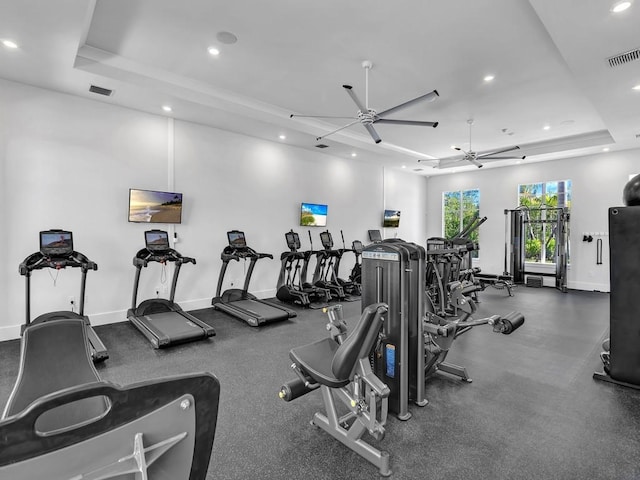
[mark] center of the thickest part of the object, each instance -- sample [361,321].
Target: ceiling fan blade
[474,161]
[337,130]
[499,151]
[427,96]
[502,158]
[372,132]
[355,98]
[407,122]
[293,115]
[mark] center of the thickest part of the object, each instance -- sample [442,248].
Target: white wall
[597,183]
[68,162]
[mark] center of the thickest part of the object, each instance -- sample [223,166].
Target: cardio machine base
[245,306]
[164,323]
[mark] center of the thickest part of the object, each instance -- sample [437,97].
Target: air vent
[625,57]
[637,135]
[418,169]
[100,91]
[322,145]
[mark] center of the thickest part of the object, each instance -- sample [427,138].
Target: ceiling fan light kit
[368,116]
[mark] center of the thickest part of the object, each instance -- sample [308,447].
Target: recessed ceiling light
[9,44]
[354,154]
[518,162]
[546,127]
[282,137]
[167,108]
[637,87]
[404,166]
[620,6]
[213,51]
[488,78]
[605,149]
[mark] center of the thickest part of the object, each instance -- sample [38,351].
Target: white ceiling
[548,58]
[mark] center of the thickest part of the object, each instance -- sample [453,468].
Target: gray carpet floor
[533,410]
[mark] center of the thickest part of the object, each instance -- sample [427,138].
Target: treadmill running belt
[174,325]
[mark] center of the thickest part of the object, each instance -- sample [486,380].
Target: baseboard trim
[589,287]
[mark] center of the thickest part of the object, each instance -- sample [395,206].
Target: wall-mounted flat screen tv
[150,206]
[313,215]
[391,219]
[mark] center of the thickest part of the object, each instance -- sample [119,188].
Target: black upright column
[624,253]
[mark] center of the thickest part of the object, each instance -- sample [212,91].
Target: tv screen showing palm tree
[313,215]
[151,206]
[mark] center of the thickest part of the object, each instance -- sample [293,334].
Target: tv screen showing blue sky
[313,215]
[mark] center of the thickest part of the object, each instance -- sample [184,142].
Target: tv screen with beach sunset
[150,206]
[313,215]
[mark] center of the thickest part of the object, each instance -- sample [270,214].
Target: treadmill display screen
[236,239]
[56,243]
[157,240]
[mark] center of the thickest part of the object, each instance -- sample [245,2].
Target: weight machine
[519,224]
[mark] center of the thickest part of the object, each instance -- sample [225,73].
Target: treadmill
[240,303]
[56,252]
[163,321]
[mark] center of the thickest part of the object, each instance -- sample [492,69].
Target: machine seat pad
[315,360]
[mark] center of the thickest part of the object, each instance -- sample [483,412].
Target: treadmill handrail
[144,256]
[38,261]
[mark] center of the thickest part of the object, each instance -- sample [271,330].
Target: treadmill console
[374,236]
[157,241]
[327,241]
[236,239]
[293,240]
[56,243]
[357,246]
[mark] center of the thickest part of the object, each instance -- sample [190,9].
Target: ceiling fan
[368,116]
[474,158]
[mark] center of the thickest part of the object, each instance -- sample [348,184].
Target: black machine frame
[59,259]
[162,321]
[516,221]
[292,281]
[239,302]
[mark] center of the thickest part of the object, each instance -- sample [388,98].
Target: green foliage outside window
[540,238]
[459,210]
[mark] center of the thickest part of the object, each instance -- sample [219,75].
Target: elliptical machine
[352,285]
[356,271]
[326,273]
[56,252]
[292,286]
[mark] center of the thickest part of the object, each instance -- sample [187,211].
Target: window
[543,201]
[459,209]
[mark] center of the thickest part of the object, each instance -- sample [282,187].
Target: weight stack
[393,273]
